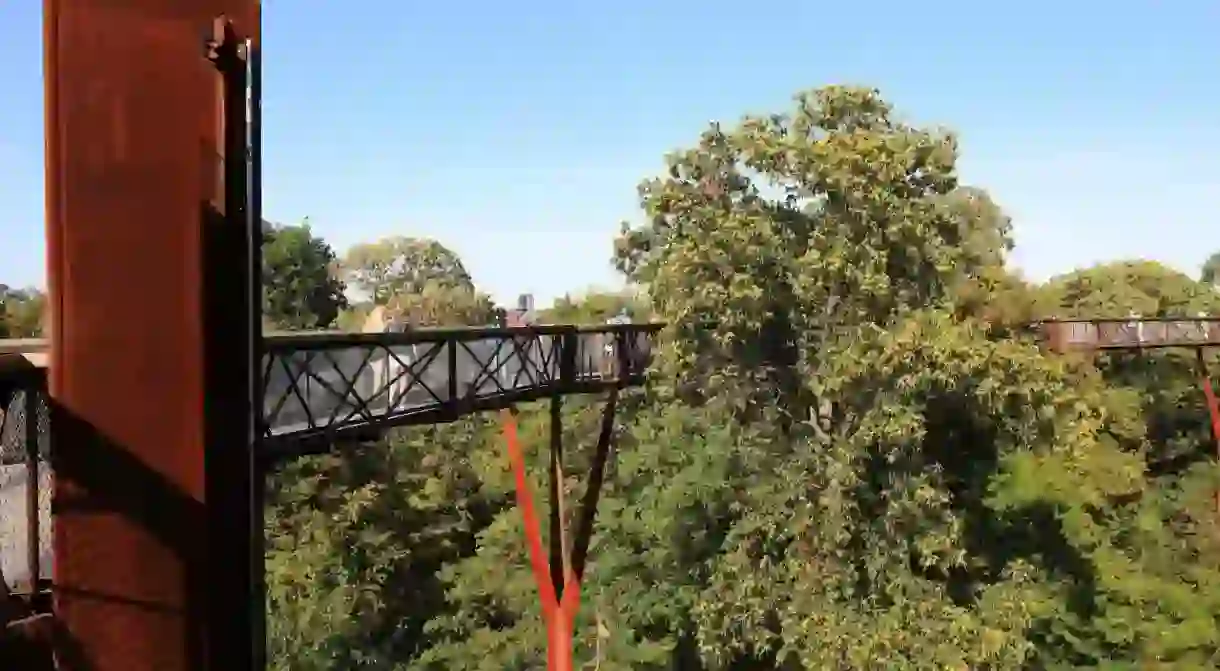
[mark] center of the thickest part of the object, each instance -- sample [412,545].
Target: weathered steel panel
[132,123]
[1133,333]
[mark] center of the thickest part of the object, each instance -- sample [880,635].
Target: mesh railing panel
[25,485]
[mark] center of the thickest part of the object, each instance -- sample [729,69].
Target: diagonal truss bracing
[323,386]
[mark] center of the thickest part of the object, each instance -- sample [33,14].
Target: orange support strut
[559,615]
[1213,408]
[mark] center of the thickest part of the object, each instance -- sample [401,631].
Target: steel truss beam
[323,388]
[1119,333]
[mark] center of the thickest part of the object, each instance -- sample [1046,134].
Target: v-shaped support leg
[559,582]
[1213,408]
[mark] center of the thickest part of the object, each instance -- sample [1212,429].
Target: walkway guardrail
[25,482]
[1131,333]
[323,386]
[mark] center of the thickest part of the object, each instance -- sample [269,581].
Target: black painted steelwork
[234,483]
[323,387]
[23,475]
[366,382]
[25,596]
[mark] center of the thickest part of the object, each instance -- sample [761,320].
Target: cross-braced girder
[323,387]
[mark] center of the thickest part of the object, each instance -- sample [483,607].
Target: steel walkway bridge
[322,388]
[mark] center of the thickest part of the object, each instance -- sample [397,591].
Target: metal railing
[25,481]
[321,386]
[1132,333]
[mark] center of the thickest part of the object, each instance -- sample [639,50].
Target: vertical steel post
[233,306]
[256,499]
[559,561]
[33,485]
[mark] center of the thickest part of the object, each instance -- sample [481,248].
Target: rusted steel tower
[149,357]
[160,431]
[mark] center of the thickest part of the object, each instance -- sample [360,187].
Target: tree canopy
[1210,272]
[301,288]
[22,313]
[851,453]
[403,266]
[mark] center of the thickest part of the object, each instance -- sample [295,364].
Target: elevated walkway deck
[323,387]
[1131,333]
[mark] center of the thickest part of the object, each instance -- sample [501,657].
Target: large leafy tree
[397,266]
[851,456]
[1210,272]
[301,287]
[418,281]
[859,232]
[358,538]
[713,527]
[895,463]
[22,313]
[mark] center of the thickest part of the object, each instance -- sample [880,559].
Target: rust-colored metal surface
[132,124]
[1131,333]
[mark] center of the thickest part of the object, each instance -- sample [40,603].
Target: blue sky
[516,133]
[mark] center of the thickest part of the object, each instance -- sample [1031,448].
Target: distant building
[523,314]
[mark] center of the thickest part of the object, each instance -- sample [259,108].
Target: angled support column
[150,300]
[1213,407]
[560,594]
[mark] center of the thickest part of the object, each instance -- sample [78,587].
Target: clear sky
[516,133]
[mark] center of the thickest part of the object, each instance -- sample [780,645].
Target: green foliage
[22,313]
[353,318]
[439,304]
[357,540]
[1165,382]
[1210,272]
[1122,288]
[400,266]
[300,289]
[596,307]
[851,455]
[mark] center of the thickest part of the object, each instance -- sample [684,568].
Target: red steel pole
[1213,408]
[558,614]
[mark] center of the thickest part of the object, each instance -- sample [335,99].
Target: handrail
[24,564]
[313,339]
[34,350]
